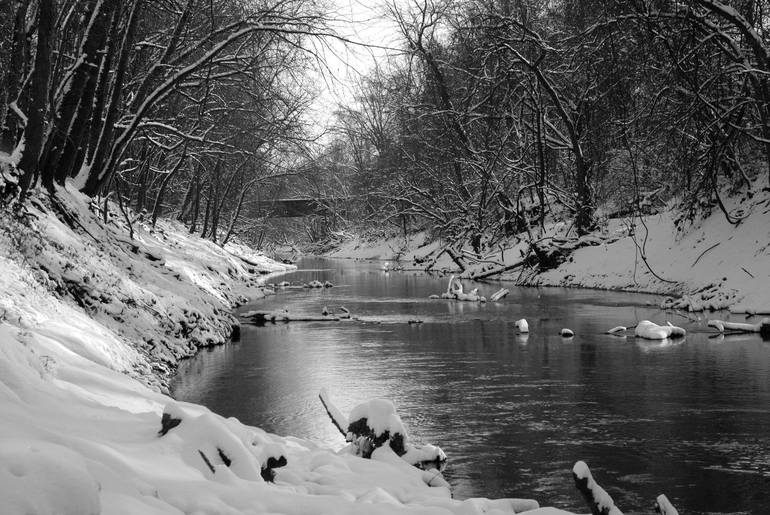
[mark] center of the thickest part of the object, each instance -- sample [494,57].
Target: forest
[490,117]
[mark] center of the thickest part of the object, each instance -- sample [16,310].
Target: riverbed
[513,412]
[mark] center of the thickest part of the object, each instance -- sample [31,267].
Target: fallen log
[262,317]
[497,271]
[762,327]
[499,294]
[457,259]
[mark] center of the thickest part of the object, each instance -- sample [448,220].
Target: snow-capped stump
[374,423]
[434,297]
[522,325]
[567,333]
[328,284]
[325,311]
[598,500]
[652,331]
[314,284]
[272,463]
[664,507]
[172,416]
[617,330]
[345,312]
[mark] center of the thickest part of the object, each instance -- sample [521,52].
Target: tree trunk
[237,212]
[196,204]
[40,76]
[70,115]
[13,77]
[93,183]
[208,210]
[162,190]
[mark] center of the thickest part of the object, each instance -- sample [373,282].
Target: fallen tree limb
[499,294]
[762,327]
[339,420]
[497,271]
[261,317]
[457,259]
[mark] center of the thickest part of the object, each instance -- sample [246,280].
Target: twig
[702,253]
[750,274]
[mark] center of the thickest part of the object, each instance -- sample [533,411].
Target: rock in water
[522,325]
[567,333]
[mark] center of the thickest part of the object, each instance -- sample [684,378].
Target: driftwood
[262,317]
[455,291]
[762,327]
[499,294]
[339,420]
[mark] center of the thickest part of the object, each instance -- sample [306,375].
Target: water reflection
[683,417]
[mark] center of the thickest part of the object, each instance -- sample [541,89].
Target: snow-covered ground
[87,319]
[706,264]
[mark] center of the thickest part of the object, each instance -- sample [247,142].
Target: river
[690,419]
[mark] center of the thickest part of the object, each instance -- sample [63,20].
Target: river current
[688,418]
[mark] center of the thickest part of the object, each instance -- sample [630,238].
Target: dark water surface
[689,419]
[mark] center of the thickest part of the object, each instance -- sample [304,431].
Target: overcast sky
[361,21]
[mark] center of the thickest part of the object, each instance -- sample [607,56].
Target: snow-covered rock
[652,331]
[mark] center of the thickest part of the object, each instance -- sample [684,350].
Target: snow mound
[652,331]
[43,478]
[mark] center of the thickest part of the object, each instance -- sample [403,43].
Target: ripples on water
[512,412]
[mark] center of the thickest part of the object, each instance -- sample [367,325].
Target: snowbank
[158,297]
[80,435]
[706,264]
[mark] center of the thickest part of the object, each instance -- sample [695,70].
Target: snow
[44,478]
[89,320]
[707,263]
[601,498]
[652,331]
[381,416]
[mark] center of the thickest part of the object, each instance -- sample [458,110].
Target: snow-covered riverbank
[706,264]
[90,323]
